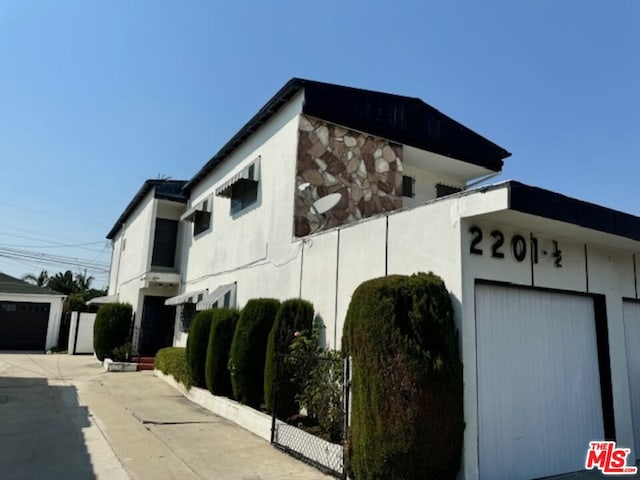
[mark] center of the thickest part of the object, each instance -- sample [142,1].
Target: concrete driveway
[63,417]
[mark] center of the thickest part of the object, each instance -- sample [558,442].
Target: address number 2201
[518,246]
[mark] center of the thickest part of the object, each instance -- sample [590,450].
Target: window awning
[188,215]
[250,173]
[187,297]
[209,300]
[103,300]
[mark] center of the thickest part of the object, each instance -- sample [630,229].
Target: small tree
[111,328]
[223,327]
[197,343]
[294,316]
[248,350]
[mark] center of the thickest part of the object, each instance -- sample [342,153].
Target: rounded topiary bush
[223,326]
[248,349]
[111,328]
[197,344]
[294,315]
[407,413]
[173,361]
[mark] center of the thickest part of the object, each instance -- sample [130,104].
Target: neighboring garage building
[29,315]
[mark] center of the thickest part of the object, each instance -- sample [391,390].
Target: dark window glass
[244,194]
[164,243]
[187,314]
[201,222]
[407,186]
[227,300]
[444,190]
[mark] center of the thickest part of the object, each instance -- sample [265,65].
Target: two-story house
[145,261]
[328,186]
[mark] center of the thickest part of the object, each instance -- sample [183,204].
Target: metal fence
[311,409]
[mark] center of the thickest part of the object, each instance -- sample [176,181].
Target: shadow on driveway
[41,431]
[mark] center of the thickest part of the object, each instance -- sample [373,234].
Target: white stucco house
[328,186]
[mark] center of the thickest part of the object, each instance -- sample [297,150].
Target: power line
[49,259]
[81,245]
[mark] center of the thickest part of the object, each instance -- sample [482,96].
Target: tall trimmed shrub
[197,344]
[111,328]
[294,315]
[407,414]
[223,326]
[248,349]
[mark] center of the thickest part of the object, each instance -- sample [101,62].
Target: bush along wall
[197,344]
[111,329]
[223,326]
[407,413]
[294,316]
[248,350]
[173,361]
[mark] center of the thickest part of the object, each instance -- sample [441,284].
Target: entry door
[539,400]
[156,328]
[631,312]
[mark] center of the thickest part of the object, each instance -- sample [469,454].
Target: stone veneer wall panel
[366,172]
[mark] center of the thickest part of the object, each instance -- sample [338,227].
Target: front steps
[144,363]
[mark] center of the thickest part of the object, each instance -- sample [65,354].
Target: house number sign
[517,245]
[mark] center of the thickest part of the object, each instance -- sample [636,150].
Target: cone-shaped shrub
[197,344]
[111,328]
[248,350]
[407,416]
[294,315]
[216,369]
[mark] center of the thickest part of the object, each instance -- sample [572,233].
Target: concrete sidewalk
[127,425]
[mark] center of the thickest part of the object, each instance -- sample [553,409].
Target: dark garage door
[23,325]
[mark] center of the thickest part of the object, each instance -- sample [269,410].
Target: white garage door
[539,400]
[631,311]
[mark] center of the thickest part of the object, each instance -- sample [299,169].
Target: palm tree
[83,282]
[42,280]
[63,283]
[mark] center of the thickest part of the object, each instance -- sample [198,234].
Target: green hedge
[217,375]
[197,344]
[173,361]
[111,328]
[294,315]
[407,414]
[248,349]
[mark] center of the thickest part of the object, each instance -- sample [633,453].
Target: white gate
[539,398]
[631,312]
[81,333]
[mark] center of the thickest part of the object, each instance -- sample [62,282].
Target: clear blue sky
[97,96]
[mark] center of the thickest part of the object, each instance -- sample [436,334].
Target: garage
[23,325]
[631,312]
[29,315]
[539,392]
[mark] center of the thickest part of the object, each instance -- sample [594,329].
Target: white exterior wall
[55,312]
[254,247]
[602,271]
[425,184]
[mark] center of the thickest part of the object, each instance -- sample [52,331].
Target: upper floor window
[200,215]
[408,186]
[164,243]
[242,188]
[444,190]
